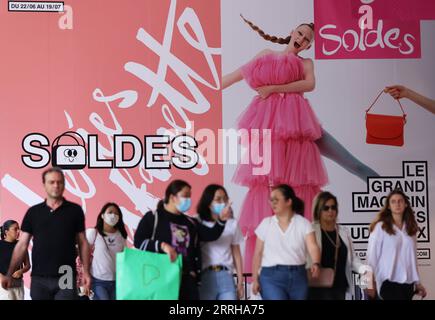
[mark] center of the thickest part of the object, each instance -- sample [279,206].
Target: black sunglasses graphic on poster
[68,151]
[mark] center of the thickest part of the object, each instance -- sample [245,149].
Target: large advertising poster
[360,48]
[126,96]
[113,92]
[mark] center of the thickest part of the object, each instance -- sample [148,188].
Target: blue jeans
[283,283]
[103,290]
[217,285]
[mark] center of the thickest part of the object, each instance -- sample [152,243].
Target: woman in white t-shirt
[107,239]
[392,250]
[222,256]
[282,243]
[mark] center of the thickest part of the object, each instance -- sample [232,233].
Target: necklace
[330,240]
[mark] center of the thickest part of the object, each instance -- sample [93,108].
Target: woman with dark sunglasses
[336,250]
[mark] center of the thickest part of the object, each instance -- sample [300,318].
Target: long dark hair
[274,39]
[319,202]
[120,226]
[206,199]
[171,190]
[386,216]
[5,227]
[289,193]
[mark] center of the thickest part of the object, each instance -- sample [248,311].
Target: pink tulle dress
[295,158]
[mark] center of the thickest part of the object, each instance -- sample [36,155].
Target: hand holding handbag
[326,275]
[385,129]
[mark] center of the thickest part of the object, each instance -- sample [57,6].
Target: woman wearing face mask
[176,233]
[220,257]
[107,239]
[9,238]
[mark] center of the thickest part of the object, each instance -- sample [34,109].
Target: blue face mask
[184,204]
[217,208]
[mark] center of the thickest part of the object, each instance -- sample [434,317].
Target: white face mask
[111,219]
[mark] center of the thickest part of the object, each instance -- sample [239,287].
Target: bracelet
[316,264]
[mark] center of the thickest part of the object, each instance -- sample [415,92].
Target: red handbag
[385,129]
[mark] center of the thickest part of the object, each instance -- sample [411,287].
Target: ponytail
[288,193]
[298,205]
[274,39]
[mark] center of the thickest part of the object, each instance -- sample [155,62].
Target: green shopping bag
[143,275]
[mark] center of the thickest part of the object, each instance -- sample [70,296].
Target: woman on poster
[281,79]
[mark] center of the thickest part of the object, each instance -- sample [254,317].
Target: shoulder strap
[337,246]
[377,98]
[107,247]
[104,240]
[191,220]
[156,219]
[95,239]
